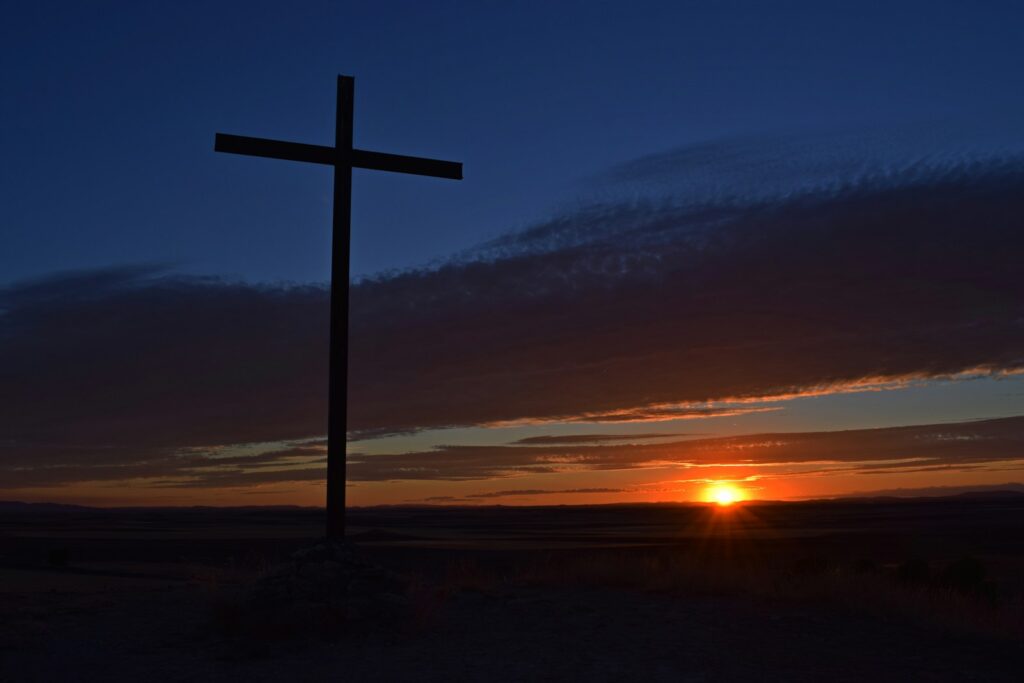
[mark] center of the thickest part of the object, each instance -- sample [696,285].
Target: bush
[58,557]
[914,570]
[865,566]
[968,576]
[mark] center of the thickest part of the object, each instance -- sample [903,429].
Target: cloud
[188,469]
[962,445]
[566,439]
[514,493]
[539,492]
[618,311]
[654,413]
[629,311]
[130,370]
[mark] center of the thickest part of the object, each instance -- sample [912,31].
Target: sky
[775,244]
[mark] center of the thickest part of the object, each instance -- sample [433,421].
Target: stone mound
[329,589]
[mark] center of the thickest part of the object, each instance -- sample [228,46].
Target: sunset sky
[774,244]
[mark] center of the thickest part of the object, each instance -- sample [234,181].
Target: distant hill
[1005,491]
[998,494]
[896,496]
[18,506]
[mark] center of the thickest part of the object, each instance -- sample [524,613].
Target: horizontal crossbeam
[319,154]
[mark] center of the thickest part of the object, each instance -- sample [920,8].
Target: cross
[343,157]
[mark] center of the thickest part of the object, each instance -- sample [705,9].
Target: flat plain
[882,589]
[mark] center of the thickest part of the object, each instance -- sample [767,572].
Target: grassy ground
[915,593]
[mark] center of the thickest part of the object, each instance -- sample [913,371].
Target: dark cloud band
[660,311]
[916,277]
[964,445]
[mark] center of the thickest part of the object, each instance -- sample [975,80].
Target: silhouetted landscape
[537,341]
[882,589]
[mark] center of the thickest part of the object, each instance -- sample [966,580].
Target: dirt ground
[89,628]
[134,596]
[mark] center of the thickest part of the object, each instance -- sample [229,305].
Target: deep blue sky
[109,111]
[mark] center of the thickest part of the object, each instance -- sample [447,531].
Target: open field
[888,590]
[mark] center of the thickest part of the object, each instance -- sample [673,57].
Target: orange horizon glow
[719,486]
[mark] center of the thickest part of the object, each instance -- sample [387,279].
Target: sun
[724,494]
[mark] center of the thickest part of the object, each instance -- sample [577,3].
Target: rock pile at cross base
[328,589]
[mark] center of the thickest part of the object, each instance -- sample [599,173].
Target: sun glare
[724,494]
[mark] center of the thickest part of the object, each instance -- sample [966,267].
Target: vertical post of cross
[341,239]
[343,157]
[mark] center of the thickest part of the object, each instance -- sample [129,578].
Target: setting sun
[724,494]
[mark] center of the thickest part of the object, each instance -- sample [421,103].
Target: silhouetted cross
[343,157]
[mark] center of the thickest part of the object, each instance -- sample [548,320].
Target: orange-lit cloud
[895,450]
[653,413]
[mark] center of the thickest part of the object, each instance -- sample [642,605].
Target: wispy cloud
[566,439]
[918,448]
[653,413]
[516,493]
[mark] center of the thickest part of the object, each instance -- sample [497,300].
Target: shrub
[914,570]
[58,557]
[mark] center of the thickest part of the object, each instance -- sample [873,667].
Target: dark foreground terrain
[868,590]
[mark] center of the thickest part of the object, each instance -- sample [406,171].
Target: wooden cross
[343,157]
